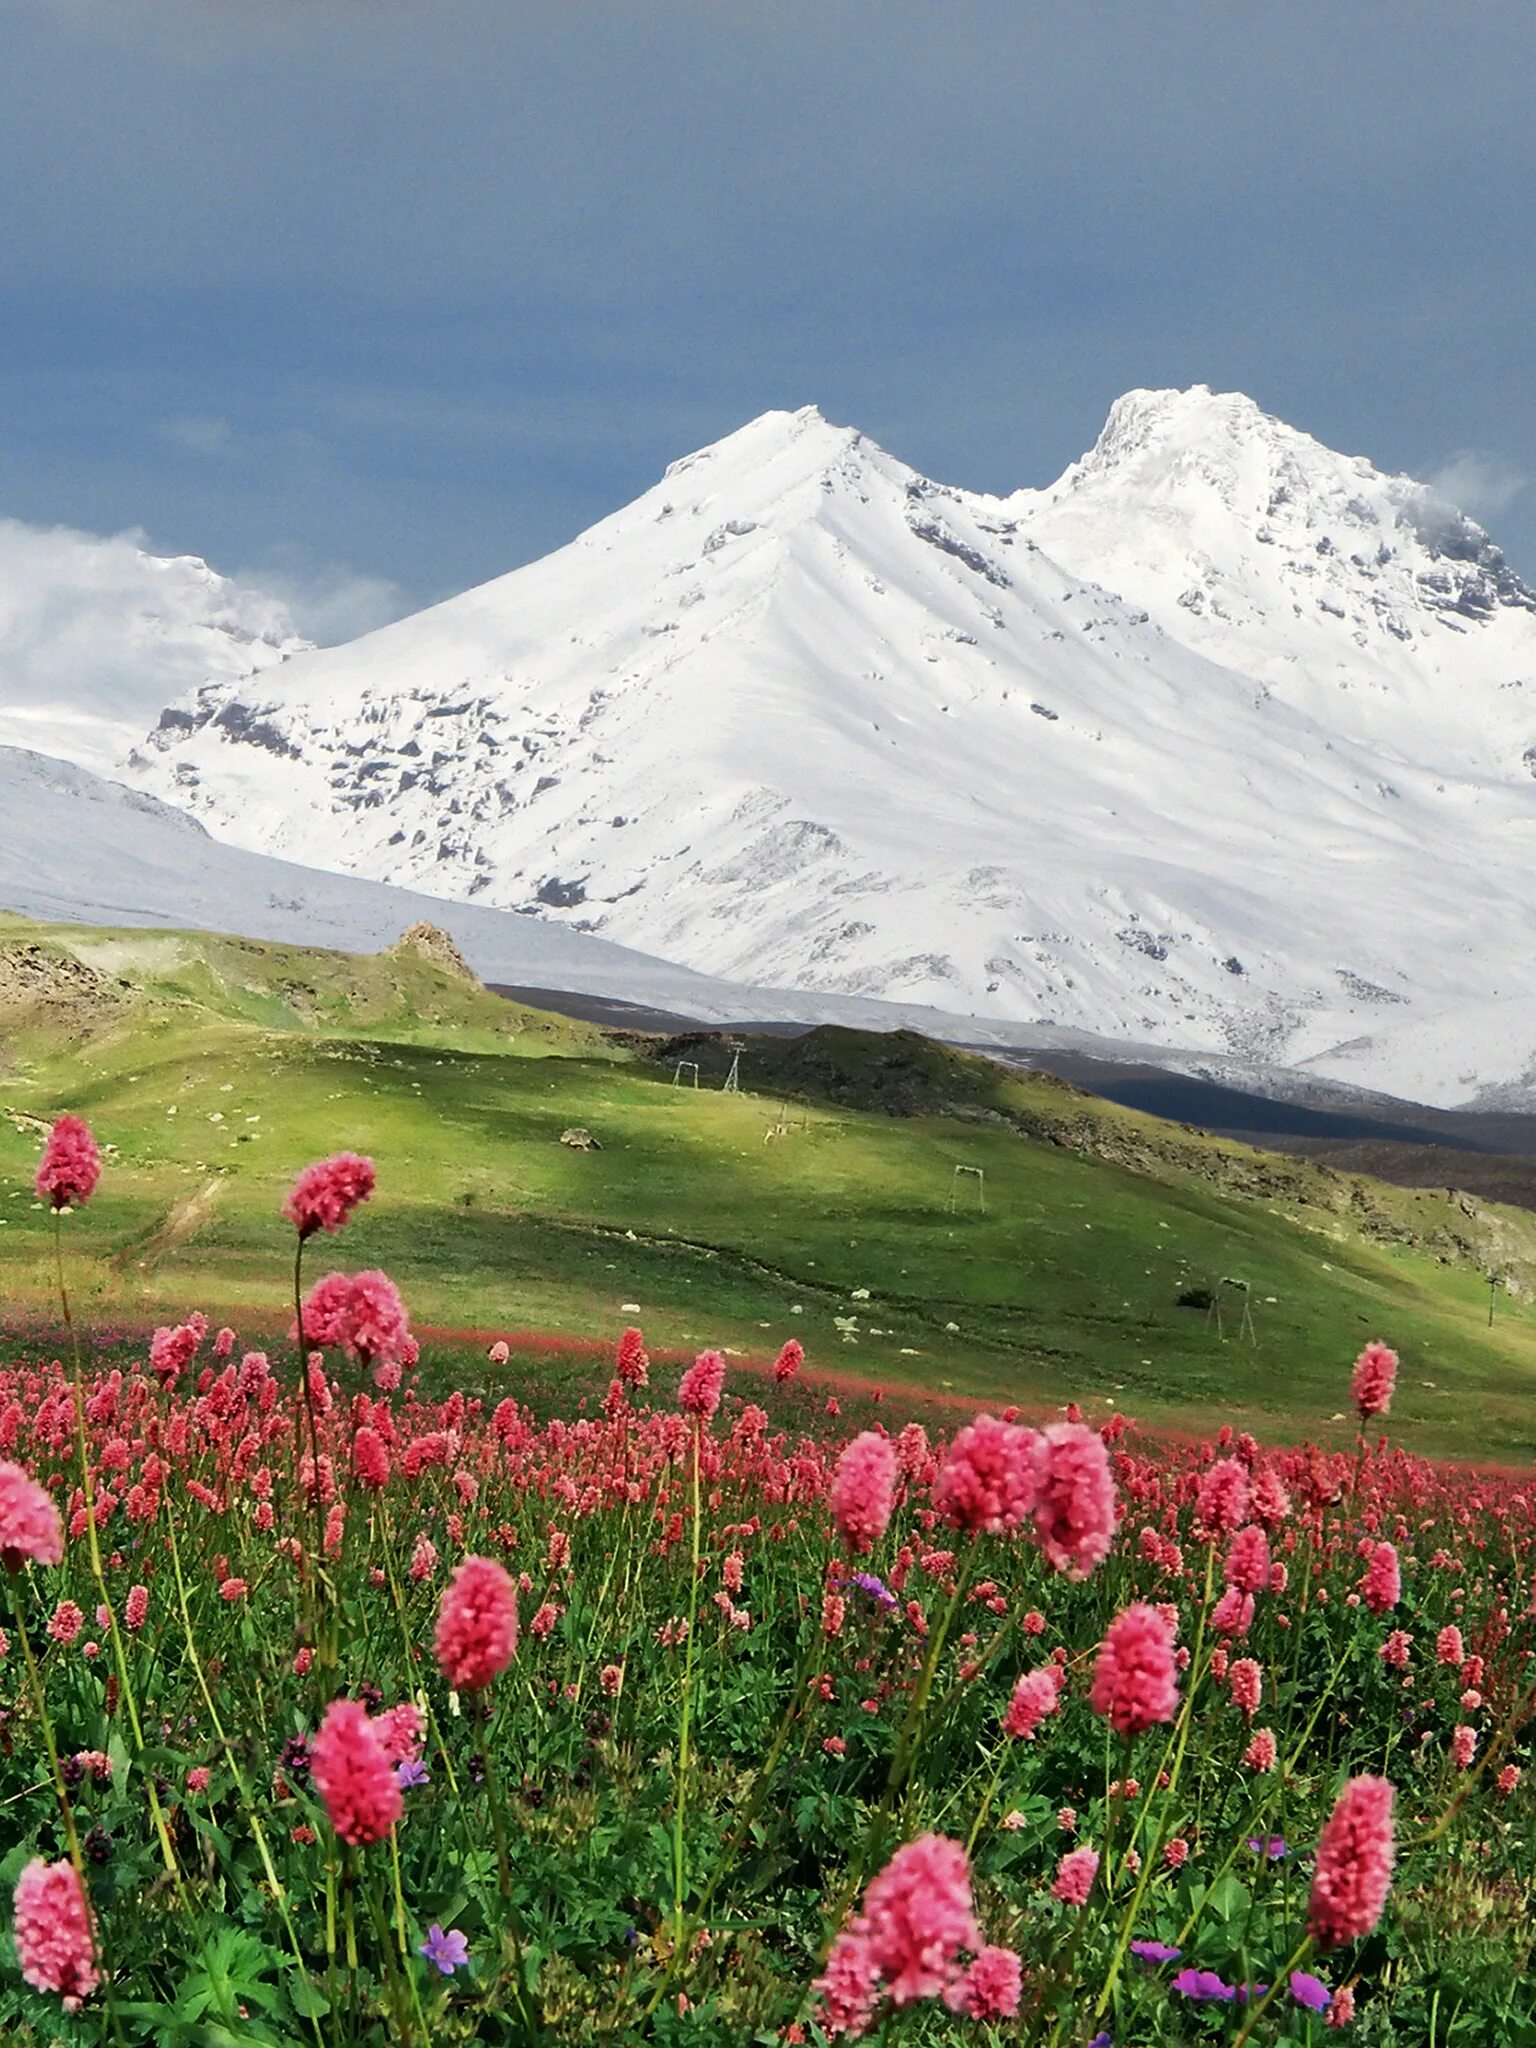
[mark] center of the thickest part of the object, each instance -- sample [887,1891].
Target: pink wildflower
[136,1608]
[325,1311]
[1354,1864]
[990,1988]
[1036,1696]
[630,1362]
[1464,1745]
[700,1388]
[1233,1613]
[476,1625]
[376,1328]
[1381,1585]
[1074,1506]
[325,1194]
[918,1916]
[987,1480]
[1247,1565]
[864,1490]
[1245,1682]
[789,1360]
[370,1459]
[1262,1750]
[353,1775]
[53,1932]
[66,1622]
[30,1527]
[1133,1681]
[1341,2007]
[1375,1376]
[1075,1874]
[398,1732]
[1221,1504]
[848,1989]
[70,1166]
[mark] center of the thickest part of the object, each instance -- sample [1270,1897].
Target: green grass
[218,1067]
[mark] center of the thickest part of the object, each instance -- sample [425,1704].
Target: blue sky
[382,297]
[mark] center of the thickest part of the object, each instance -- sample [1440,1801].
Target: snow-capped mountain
[1224,741]
[96,633]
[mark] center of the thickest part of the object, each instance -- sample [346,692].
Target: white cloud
[328,605]
[1483,485]
[97,636]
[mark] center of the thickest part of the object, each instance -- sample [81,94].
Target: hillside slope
[213,1074]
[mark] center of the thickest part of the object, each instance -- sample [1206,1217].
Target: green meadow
[820,1202]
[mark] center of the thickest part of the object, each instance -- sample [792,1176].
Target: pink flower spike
[848,1989]
[1375,1377]
[1074,1498]
[702,1384]
[30,1527]
[53,1932]
[353,1775]
[918,1916]
[1354,1864]
[325,1194]
[70,1166]
[1036,1696]
[986,1483]
[864,1490]
[991,1987]
[1134,1683]
[1075,1874]
[476,1625]
[631,1361]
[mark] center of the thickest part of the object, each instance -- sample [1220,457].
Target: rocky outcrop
[432,943]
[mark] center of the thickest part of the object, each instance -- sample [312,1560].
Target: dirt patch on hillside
[45,984]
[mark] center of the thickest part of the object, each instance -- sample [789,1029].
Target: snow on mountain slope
[1223,742]
[80,849]
[95,634]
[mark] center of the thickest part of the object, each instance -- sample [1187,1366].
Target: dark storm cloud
[420,289]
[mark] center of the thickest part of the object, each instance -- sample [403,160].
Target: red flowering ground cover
[339,1710]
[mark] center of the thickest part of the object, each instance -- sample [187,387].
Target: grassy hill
[821,1201]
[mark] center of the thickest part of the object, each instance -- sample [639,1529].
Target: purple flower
[449,1951]
[1204,1984]
[1155,1951]
[1274,1848]
[412,1772]
[877,1589]
[1247,1991]
[1311,1992]
[1101,2041]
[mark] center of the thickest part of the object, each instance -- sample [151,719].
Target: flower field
[336,1712]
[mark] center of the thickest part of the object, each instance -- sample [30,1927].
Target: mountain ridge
[1205,745]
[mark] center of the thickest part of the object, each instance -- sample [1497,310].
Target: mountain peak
[805,437]
[1219,442]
